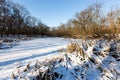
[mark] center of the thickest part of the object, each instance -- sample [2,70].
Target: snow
[47,58]
[32,48]
[40,48]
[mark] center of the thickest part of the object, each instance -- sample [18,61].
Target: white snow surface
[31,50]
[46,59]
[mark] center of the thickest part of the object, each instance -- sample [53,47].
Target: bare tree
[2,10]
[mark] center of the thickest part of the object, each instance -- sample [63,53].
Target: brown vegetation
[89,23]
[92,23]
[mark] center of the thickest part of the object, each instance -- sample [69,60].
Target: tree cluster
[16,20]
[92,22]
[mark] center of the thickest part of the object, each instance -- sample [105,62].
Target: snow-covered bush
[84,60]
[7,40]
[71,48]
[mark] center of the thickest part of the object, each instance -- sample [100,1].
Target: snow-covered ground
[49,59]
[31,50]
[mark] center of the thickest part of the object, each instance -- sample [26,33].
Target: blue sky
[54,12]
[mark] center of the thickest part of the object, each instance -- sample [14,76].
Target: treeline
[16,20]
[91,22]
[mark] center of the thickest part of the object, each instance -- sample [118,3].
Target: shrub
[71,48]
[7,40]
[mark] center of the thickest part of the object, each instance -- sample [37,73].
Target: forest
[92,22]
[15,19]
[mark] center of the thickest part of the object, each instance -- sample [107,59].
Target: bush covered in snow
[10,42]
[84,60]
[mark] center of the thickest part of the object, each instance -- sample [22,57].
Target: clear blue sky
[54,12]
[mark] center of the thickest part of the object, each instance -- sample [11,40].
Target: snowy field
[57,59]
[26,51]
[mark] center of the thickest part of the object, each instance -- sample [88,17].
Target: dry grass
[27,67]
[71,48]
[7,40]
[12,76]
[75,47]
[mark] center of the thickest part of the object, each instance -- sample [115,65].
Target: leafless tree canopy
[16,20]
[92,22]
